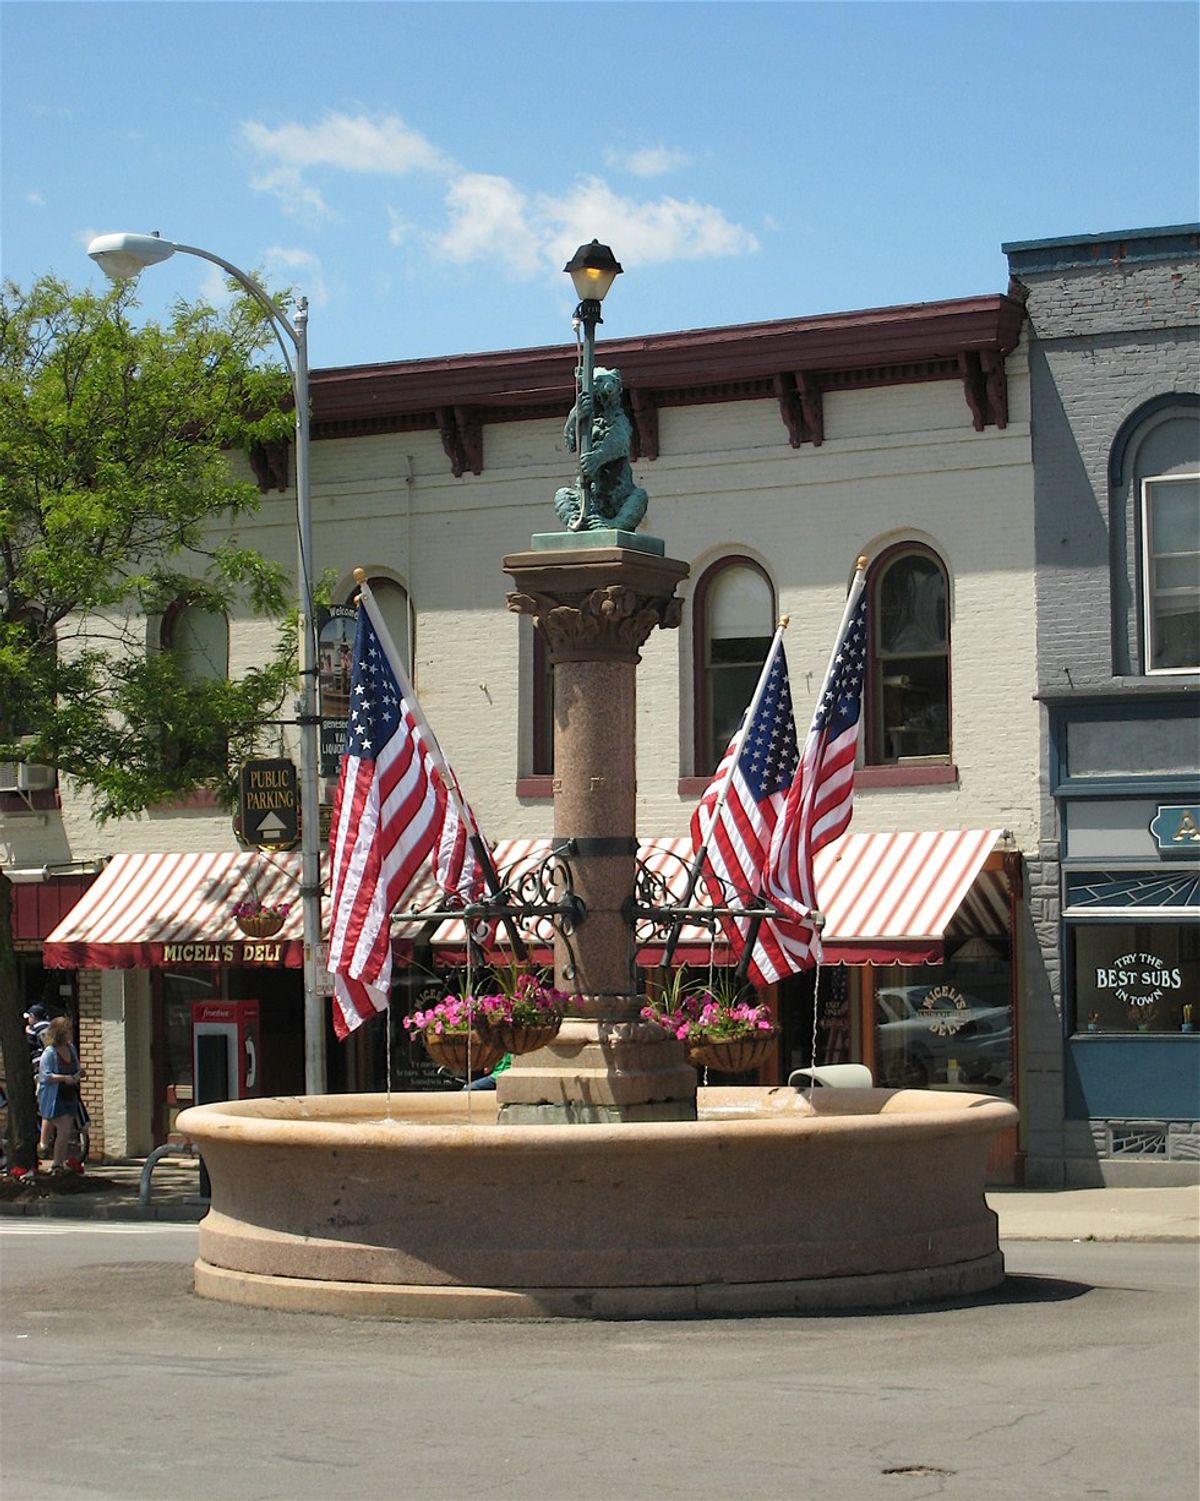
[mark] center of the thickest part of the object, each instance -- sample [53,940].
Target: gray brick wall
[1114,324]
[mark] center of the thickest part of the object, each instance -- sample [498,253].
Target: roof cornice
[793,361]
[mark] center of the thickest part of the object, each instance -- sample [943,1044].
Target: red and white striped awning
[887,898]
[146,910]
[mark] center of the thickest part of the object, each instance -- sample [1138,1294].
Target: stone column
[595,604]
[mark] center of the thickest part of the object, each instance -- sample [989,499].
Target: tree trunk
[20,1139]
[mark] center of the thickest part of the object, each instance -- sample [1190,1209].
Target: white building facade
[774,455]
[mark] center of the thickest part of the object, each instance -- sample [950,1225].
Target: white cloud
[654,230]
[370,145]
[648,161]
[35,200]
[490,217]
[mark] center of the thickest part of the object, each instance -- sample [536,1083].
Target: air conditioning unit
[31,775]
[34,778]
[8,776]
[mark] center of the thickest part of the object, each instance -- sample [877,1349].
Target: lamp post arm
[279,321]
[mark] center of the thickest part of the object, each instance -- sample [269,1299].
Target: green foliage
[117,498]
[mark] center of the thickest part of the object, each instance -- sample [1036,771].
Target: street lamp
[593,269]
[124,255]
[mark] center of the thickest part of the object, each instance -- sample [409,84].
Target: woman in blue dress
[59,1073]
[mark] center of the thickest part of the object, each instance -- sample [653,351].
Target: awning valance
[146,910]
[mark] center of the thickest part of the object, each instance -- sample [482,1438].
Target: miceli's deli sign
[272,952]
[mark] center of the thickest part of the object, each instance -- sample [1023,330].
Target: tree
[118,501]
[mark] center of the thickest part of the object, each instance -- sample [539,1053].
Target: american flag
[820,799]
[735,819]
[397,805]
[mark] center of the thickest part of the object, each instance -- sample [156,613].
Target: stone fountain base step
[714,1299]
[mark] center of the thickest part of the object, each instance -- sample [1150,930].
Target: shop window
[198,641]
[1170,524]
[733,625]
[947,1026]
[908,710]
[1133,977]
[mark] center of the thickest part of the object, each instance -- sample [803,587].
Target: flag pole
[853,595]
[467,817]
[739,742]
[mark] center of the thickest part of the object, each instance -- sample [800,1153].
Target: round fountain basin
[426,1206]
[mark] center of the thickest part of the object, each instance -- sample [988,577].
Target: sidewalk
[111,1192]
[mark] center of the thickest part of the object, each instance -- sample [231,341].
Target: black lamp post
[593,269]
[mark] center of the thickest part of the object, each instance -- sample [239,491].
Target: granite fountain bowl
[425,1206]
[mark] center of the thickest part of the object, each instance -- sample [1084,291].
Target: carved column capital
[609,624]
[598,605]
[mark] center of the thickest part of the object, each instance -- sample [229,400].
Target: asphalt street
[1077,1379]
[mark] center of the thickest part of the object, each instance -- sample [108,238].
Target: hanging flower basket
[260,924]
[525,1037]
[732,1055]
[449,1050]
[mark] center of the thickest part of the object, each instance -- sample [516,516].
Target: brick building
[1112,1062]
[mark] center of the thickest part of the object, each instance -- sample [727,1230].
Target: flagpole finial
[784,622]
[360,575]
[861,562]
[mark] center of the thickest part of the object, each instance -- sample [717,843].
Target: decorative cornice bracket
[985,386]
[461,431]
[801,406]
[269,461]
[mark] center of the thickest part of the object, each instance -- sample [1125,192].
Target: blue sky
[422,171]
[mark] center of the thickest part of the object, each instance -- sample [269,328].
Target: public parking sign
[269,804]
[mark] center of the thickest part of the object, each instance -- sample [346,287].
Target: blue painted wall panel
[1134,1078]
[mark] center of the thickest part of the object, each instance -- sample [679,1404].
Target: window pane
[739,605]
[739,623]
[910,702]
[200,644]
[912,606]
[1136,977]
[1176,515]
[392,599]
[731,689]
[914,718]
[1172,544]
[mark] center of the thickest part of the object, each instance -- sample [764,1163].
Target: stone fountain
[598,1181]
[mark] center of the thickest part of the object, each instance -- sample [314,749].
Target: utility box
[225,1051]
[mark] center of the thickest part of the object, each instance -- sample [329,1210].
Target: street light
[593,269]
[124,255]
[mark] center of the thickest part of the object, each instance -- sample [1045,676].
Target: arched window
[1154,478]
[733,623]
[198,641]
[908,712]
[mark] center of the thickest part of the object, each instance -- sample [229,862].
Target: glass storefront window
[1135,977]
[947,1026]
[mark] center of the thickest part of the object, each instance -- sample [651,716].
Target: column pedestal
[595,604]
